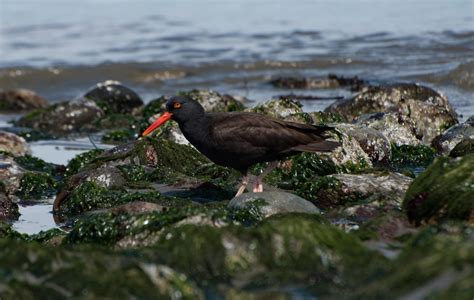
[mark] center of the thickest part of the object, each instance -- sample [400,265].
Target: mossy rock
[154,107]
[119,136]
[80,161]
[409,156]
[280,108]
[438,263]
[212,101]
[35,164]
[32,271]
[443,191]
[462,148]
[7,232]
[90,196]
[282,250]
[34,186]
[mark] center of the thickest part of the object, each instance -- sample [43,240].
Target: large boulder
[20,100]
[64,118]
[428,111]
[113,97]
[444,191]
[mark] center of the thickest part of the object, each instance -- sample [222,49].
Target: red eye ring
[176,105]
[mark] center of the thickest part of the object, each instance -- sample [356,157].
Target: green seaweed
[118,136]
[32,163]
[80,161]
[36,186]
[412,156]
[443,191]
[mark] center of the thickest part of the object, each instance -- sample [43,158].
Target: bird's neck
[195,128]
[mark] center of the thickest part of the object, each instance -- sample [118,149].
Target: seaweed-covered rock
[35,186]
[340,189]
[438,263]
[429,111]
[409,156]
[391,126]
[80,161]
[462,148]
[271,203]
[64,118]
[446,142]
[212,101]
[280,108]
[20,100]
[13,144]
[31,270]
[113,97]
[282,250]
[443,191]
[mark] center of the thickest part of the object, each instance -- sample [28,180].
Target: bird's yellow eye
[176,105]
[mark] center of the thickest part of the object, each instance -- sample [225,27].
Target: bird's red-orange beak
[160,121]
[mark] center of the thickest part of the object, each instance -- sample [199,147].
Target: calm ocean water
[60,48]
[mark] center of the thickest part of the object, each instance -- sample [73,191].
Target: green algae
[411,156]
[31,271]
[32,163]
[80,161]
[324,118]
[118,136]
[36,186]
[154,107]
[443,191]
[442,254]
[90,196]
[462,148]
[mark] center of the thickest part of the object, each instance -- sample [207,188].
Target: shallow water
[61,48]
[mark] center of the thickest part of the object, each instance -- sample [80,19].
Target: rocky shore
[389,214]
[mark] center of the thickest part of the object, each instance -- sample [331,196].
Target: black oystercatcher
[242,139]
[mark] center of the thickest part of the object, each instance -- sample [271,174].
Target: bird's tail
[320,146]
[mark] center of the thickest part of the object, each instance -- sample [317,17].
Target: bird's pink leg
[243,185]
[258,183]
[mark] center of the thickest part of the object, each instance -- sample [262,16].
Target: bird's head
[178,108]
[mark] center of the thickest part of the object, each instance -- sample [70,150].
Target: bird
[240,140]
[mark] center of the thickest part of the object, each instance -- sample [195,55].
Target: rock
[462,148]
[271,203]
[64,118]
[8,209]
[36,186]
[212,101]
[331,82]
[351,155]
[343,189]
[409,157]
[20,100]
[441,256]
[113,97]
[372,142]
[33,270]
[10,175]
[280,108]
[13,144]
[444,191]
[391,126]
[446,142]
[426,110]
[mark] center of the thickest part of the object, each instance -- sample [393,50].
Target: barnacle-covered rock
[446,142]
[113,97]
[20,100]
[212,101]
[13,144]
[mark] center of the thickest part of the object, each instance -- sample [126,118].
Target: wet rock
[36,186]
[80,161]
[429,111]
[29,134]
[212,101]
[64,118]
[391,126]
[271,203]
[372,142]
[33,270]
[241,255]
[342,189]
[13,144]
[137,207]
[322,118]
[446,142]
[462,148]
[8,208]
[20,100]
[280,108]
[10,175]
[443,191]
[113,97]
[408,156]
[351,155]
[331,82]
[443,259]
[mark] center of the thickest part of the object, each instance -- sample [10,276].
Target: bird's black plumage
[242,139]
